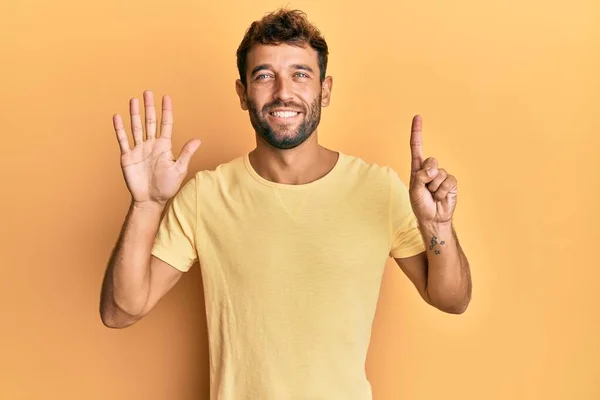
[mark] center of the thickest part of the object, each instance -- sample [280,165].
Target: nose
[283,89]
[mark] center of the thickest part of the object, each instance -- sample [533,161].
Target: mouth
[284,115]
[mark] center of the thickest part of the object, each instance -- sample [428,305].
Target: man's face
[283,93]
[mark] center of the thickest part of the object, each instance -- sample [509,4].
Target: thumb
[187,152]
[422,177]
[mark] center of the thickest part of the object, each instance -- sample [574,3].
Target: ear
[326,87]
[241,92]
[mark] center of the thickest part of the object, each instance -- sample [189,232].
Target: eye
[262,76]
[301,75]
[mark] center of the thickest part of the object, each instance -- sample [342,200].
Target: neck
[300,165]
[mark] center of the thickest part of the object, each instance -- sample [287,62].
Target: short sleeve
[406,239]
[175,241]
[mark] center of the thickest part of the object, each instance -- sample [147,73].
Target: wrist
[436,228]
[147,206]
[436,236]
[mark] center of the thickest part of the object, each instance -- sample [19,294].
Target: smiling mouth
[284,114]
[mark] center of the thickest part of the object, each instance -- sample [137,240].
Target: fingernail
[430,171]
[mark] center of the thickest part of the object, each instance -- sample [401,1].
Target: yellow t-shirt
[291,273]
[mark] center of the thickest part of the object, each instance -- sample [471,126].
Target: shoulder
[370,172]
[224,172]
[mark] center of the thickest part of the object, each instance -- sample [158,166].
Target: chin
[284,141]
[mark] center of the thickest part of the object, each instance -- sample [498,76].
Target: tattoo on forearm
[434,243]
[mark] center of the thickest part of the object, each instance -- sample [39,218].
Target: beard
[284,136]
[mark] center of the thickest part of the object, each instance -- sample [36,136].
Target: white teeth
[285,114]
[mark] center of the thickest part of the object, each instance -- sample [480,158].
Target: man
[292,238]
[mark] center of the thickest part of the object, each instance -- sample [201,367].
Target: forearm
[448,276]
[126,285]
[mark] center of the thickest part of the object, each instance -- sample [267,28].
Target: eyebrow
[303,67]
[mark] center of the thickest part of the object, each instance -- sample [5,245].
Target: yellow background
[509,93]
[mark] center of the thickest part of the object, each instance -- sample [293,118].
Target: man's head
[282,62]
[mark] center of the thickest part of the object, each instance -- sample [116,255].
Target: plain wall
[509,93]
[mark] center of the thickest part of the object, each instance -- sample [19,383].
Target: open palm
[150,170]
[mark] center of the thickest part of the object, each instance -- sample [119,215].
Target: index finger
[416,151]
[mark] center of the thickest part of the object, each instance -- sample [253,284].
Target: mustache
[281,104]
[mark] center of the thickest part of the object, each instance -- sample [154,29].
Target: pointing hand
[433,192]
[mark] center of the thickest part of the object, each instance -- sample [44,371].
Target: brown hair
[282,26]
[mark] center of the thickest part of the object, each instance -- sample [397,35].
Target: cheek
[309,90]
[254,101]
[308,96]
[262,95]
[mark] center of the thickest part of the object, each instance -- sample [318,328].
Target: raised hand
[151,173]
[433,192]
